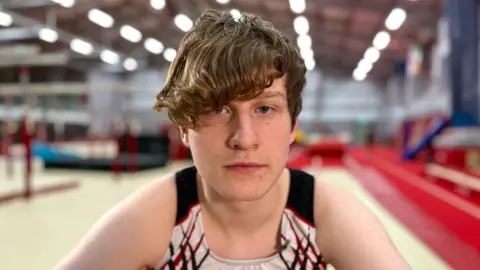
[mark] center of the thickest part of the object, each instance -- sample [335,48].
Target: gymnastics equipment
[436,127]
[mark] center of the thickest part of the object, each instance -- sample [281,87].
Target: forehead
[277,89]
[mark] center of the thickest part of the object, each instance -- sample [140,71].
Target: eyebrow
[272,94]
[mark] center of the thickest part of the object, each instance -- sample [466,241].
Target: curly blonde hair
[222,59]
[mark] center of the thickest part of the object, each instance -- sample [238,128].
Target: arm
[134,234]
[349,235]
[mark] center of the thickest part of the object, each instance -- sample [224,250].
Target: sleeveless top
[188,249]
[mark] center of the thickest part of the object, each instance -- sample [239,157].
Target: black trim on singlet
[187,195]
[301,194]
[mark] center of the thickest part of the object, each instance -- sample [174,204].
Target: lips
[245,166]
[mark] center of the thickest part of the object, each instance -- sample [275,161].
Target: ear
[294,132]
[184,136]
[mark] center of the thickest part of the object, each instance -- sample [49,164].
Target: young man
[234,91]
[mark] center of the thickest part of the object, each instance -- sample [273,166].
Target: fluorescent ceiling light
[157,4]
[297,6]
[5,19]
[306,53]
[359,75]
[364,66]
[183,22]
[130,64]
[310,64]
[301,25]
[395,19]
[48,35]
[169,54]
[100,18]
[131,34]
[154,46]
[381,40]
[372,55]
[65,3]
[81,46]
[304,41]
[109,57]
[236,14]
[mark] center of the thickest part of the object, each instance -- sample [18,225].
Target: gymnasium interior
[390,113]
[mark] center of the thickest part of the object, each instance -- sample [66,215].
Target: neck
[245,216]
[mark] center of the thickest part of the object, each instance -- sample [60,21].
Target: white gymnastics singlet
[188,249]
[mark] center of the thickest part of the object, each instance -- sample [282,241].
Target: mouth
[245,166]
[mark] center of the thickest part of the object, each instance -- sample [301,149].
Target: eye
[264,109]
[220,110]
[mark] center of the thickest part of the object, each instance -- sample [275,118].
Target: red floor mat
[472,196]
[450,248]
[299,159]
[458,216]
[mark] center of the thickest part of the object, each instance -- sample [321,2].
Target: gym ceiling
[359,38]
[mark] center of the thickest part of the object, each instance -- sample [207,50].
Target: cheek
[277,127]
[277,137]
[205,145]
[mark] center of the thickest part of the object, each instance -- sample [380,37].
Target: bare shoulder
[349,234]
[133,234]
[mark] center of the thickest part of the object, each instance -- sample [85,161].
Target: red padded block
[450,157]
[329,148]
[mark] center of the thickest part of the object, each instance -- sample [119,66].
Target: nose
[243,133]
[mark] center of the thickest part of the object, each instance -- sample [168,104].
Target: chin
[247,190]
[244,196]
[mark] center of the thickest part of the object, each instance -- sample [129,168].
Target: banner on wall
[413,87]
[415,61]
[463,30]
